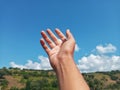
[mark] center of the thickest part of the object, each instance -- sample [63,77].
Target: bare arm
[61,58]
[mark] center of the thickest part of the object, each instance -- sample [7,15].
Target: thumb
[69,34]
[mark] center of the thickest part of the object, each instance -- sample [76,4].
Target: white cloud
[44,62]
[100,61]
[90,63]
[93,63]
[43,65]
[109,48]
[77,48]
[14,65]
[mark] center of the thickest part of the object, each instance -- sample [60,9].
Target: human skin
[60,52]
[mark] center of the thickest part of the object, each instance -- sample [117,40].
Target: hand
[59,48]
[60,52]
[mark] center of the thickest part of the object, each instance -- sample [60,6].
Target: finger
[60,34]
[46,48]
[69,34]
[47,39]
[52,35]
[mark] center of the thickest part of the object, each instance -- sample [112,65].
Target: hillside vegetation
[16,79]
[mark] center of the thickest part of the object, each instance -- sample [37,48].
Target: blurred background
[95,25]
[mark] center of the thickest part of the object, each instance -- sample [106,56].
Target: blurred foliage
[47,80]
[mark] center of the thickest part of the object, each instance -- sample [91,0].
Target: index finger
[46,48]
[60,34]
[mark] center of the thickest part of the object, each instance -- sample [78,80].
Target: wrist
[65,64]
[65,57]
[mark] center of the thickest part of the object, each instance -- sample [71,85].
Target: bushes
[113,77]
[42,84]
[14,88]
[3,83]
[46,80]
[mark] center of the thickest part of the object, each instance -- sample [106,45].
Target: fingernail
[56,29]
[48,28]
[68,30]
[42,32]
[42,41]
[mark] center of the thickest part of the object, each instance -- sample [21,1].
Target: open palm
[58,47]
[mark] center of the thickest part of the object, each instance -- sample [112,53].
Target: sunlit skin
[60,52]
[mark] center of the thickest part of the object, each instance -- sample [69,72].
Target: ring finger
[48,40]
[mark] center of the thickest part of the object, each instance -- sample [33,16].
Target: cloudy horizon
[99,61]
[95,25]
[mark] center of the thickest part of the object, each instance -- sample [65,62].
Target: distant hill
[16,79]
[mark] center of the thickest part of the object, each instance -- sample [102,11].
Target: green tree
[28,83]
[14,88]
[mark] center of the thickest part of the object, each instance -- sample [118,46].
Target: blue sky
[92,22]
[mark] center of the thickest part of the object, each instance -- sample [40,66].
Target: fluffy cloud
[14,65]
[100,62]
[109,48]
[91,63]
[42,65]
[44,62]
[77,48]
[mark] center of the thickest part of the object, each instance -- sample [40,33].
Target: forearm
[69,76]
[60,54]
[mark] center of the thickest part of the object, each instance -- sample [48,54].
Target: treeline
[47,80]
[103,80]
[31,79]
